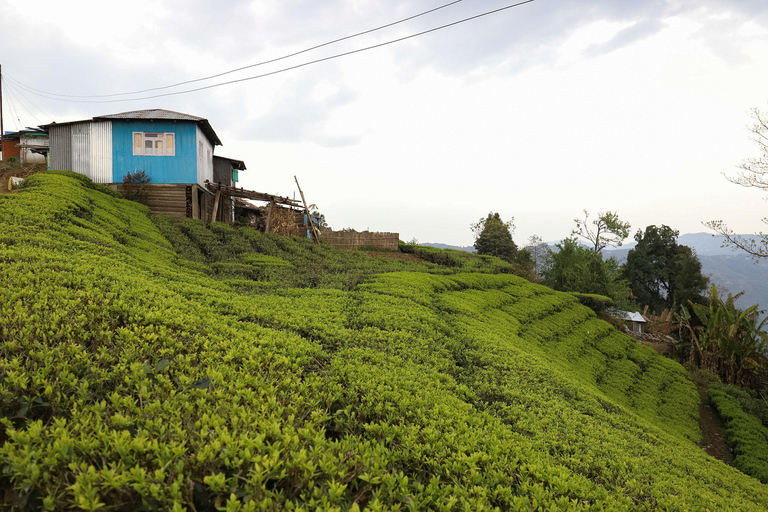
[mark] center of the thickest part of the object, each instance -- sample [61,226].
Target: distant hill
[467,248]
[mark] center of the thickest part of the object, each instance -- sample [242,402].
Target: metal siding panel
[180,168]
[204,168]
[61,147]
[81,144]
[101,152]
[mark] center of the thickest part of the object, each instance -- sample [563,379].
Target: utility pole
[1,108]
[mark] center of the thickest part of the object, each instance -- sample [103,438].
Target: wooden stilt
[215,205]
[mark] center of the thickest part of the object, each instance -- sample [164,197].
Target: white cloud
[537,112]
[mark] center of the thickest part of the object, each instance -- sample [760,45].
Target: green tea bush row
[745,433]
[135,377]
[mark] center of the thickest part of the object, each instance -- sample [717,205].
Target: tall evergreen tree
[661,273]
[494,237]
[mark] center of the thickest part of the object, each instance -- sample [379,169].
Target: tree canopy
[607,230]
[662,273]
[574,268]
[493,237]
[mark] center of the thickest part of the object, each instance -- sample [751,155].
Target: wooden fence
[355,240]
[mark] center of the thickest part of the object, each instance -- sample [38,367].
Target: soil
[9,169]
[712,430]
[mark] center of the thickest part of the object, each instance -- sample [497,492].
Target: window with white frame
[154,144]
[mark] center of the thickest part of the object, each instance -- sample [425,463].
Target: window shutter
[137,146]
[170,144]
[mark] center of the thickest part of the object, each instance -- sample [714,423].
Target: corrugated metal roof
[634,316]
[237,164]
[166,115]
[154,114]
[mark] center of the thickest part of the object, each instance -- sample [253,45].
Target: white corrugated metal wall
[204,158]
[81,152]
[61,147]
[101,152]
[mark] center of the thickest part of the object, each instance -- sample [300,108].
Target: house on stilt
[173,149]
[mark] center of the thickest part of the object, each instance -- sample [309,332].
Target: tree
[662,273]
[608,230]
[754,173]
[539,252]
[493,236]
[574,268]
[727,340]
[317,217]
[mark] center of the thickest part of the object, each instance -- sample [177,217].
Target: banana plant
[729,341]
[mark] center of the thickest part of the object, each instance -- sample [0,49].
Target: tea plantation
[149,366]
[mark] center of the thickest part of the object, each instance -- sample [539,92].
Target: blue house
[175,150]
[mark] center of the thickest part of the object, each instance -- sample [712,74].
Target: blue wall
[181,168]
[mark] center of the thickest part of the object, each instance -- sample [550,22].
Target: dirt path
[712,431]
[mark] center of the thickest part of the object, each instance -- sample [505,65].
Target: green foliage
[600,304]
[746,434]
[608,230]
[493,237]
[132,377]
[727,340]
[661,273]
[574,268]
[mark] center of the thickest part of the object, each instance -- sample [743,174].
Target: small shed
[226,171]
[28,146]
[634,321]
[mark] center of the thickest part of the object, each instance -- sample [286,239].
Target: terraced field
[145,365]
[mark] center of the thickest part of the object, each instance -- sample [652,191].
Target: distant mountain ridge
[467,248]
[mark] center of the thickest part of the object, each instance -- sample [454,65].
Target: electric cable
[16,118]
[297,66]
[270,61]
[13,90]
[31,102]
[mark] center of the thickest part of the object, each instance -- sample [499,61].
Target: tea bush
[150,366]
[745,432]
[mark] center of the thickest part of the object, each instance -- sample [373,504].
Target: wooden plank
[250,194]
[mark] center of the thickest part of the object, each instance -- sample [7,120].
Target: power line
[270,61]
[283,70]
[16,118]
[11,90]
[15,91]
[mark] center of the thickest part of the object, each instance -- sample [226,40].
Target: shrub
[135,185]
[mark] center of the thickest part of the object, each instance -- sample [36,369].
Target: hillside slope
[131,377]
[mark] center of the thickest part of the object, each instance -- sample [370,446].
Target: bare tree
[608,230]
[753,173]
[539,251]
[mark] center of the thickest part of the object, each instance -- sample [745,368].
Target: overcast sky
[536,112]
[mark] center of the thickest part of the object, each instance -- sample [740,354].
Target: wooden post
[269,215]
[312,228]
[215,205]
